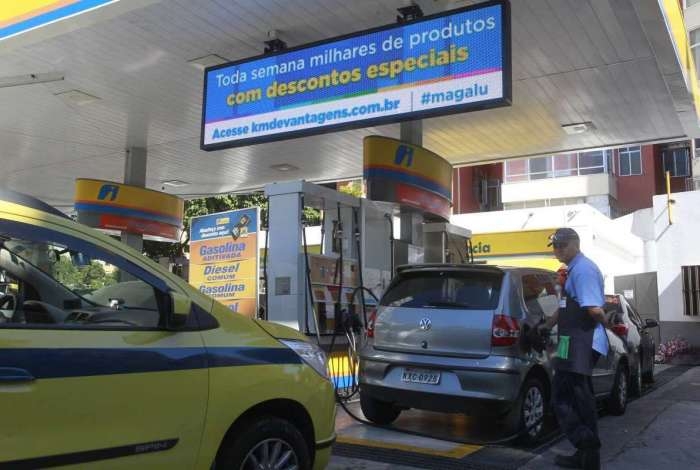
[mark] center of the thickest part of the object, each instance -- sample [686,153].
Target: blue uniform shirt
[585,285]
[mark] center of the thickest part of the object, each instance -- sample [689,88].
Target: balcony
[559,188]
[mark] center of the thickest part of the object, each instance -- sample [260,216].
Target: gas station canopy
[126,75]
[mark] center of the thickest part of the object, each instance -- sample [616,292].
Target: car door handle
[15,375]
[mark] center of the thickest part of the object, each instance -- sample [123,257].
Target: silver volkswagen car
[452,338]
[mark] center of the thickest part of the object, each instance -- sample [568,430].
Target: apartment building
[616,181]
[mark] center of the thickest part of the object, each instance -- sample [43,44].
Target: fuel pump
[323,291]
[445,243]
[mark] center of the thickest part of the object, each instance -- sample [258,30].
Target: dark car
[630,327]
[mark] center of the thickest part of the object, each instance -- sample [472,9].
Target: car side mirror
[649,323]
[180,310]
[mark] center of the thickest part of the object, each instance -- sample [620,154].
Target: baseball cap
[563,235]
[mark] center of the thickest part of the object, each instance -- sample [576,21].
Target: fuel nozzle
[337,236]
[349,321]
[537,336]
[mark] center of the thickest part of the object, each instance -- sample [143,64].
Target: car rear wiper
[440,303]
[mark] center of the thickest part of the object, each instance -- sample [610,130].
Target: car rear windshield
[469,290]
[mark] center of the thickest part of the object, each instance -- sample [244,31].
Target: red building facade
[477,188]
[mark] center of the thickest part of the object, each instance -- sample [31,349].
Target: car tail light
[620,330]
[505,331]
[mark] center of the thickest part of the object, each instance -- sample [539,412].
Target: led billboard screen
[452,62]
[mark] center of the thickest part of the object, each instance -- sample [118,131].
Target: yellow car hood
[280,331]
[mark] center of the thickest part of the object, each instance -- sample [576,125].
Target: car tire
[530,408]
[269,441]
[378,412]
[636,379]
[617,401]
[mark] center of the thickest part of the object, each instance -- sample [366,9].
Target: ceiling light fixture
[175,183]
[77,97]
[284,167]
[578,128]
[30,79]
[207,61]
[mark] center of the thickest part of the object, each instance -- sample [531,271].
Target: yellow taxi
[109,361]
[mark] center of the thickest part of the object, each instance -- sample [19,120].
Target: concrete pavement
[658,430]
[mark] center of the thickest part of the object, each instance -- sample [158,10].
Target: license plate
[420,376]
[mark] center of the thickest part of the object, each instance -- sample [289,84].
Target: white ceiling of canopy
[573,61]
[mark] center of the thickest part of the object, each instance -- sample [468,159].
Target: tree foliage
[84,278]
[353,188]
[212,205]
[95,277]
[66,273]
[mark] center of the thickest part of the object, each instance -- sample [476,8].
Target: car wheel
[527,417]
[648,376]
[617,402]
[265,443]
[636,379]
[378,412]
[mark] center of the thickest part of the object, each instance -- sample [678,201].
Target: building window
[630,161]
[494,195]
[540,168]
[516,170]
[513,206]
[565,165]
[676,162]
[590,163]
[557,166]
[565,201]
[691,290]
[694,37]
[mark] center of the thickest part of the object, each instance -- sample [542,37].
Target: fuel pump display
[325,286]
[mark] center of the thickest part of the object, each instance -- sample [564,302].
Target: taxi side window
[63,282]
[539,294]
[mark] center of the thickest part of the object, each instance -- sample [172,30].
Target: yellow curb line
[460,451]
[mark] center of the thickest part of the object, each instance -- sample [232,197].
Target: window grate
[691,290]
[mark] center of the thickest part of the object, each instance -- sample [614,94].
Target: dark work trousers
[575,408]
